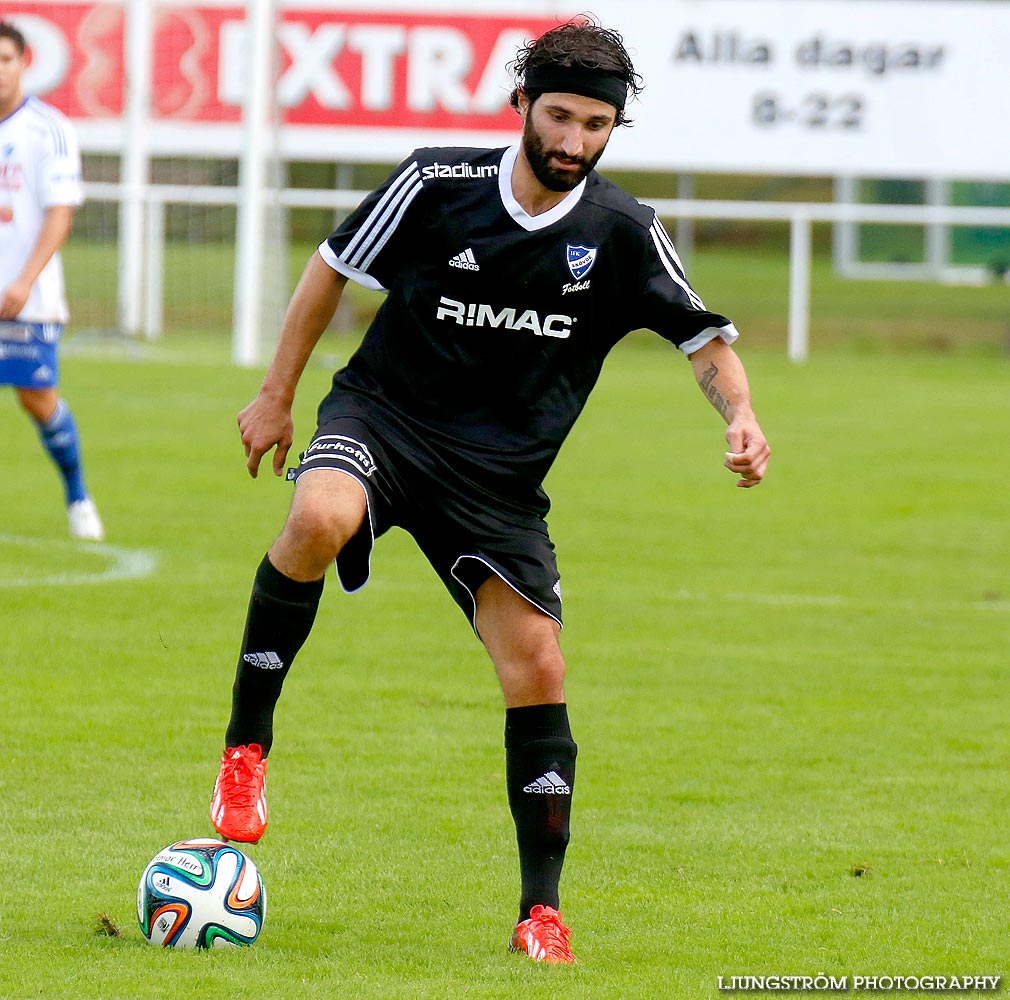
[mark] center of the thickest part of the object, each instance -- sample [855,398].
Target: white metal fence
[144,296]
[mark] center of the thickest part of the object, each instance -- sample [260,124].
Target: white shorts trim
[497,573]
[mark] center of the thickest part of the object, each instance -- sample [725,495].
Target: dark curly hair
[581,42]
[7,30]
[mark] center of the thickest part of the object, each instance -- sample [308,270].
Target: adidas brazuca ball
[201,894]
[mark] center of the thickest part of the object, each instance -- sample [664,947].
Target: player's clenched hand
[265,423]
[748,452]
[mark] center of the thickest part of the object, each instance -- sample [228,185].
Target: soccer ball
[201,894]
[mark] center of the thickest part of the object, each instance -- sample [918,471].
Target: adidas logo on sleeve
[465,260]
[550,783]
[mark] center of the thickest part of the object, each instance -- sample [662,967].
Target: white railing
[800,216]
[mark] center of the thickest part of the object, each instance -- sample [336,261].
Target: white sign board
[864,87]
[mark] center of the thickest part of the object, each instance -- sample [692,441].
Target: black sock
[540,775]
[280,617]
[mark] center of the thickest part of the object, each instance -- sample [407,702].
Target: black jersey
[496,323]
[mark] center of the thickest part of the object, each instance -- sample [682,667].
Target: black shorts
[466,532]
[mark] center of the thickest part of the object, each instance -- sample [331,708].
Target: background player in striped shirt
[40,186]
[510,273]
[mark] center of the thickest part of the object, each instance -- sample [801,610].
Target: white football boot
[85,523]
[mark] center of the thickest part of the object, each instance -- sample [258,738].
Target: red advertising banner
[370,69]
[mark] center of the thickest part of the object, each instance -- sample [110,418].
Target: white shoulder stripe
[668,256]
[415,187]
[377,228]
[59,140]
[362,234]
[53,122]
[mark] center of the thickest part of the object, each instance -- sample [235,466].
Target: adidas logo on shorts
[550,783]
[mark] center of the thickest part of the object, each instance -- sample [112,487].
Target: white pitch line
[121,563]
[838,601]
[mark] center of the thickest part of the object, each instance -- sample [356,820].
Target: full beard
[539,160]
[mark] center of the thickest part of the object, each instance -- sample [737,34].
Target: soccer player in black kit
[510,274]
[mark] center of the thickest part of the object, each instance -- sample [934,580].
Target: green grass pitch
[791,702]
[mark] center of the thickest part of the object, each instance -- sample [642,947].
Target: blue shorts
[28,354]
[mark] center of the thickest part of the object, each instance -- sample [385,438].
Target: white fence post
[799,287]
[937,233]
[154,268]
[684,236]
[251,223]
[845,234]
[135,161]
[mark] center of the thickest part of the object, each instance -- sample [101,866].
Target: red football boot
[543,936]
[238,809]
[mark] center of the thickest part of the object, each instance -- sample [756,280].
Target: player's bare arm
[722,378]
[56,228]
[266,422]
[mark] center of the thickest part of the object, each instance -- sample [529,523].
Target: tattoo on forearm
[715,397]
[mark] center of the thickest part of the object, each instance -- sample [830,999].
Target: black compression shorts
[465,532]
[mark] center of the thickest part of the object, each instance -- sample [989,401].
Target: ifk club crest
[581,260]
